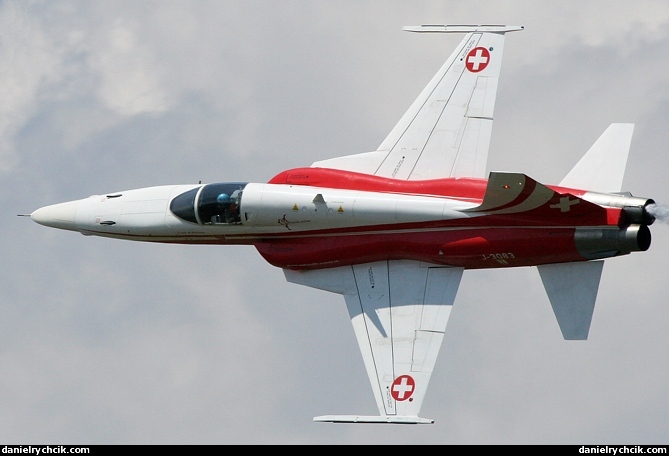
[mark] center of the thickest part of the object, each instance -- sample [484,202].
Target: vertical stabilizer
[602,168]
[572,290]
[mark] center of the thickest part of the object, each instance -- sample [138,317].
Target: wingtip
[385,419]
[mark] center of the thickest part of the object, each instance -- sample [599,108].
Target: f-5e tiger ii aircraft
[394,229]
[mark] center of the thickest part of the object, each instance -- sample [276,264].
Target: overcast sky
[114,342]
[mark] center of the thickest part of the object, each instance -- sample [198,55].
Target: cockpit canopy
[210,204]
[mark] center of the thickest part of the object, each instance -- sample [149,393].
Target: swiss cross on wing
[402,388]
[477,59]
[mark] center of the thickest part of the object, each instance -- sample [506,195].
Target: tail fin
[602,168]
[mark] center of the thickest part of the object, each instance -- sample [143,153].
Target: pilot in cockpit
[228,210]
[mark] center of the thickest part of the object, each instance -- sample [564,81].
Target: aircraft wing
[446,131]
[399,310]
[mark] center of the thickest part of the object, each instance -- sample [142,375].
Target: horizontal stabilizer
[602,168]
[372,419]
[572,290]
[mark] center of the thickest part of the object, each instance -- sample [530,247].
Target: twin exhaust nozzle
[637,214]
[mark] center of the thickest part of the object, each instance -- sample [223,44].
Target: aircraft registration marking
[499,256]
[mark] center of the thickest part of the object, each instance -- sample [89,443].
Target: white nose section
[61,215]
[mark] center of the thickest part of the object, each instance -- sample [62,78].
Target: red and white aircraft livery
[392,230]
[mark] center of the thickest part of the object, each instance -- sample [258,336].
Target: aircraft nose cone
[61,215]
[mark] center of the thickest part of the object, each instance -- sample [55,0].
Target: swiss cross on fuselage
[565,204]
[403,387]
[477,59]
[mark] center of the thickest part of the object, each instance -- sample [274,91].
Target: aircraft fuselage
[312,218]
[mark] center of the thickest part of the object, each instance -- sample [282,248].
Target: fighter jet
[394,229]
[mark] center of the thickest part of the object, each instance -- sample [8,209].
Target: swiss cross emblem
[477,59]
[565,204]
[403,387]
